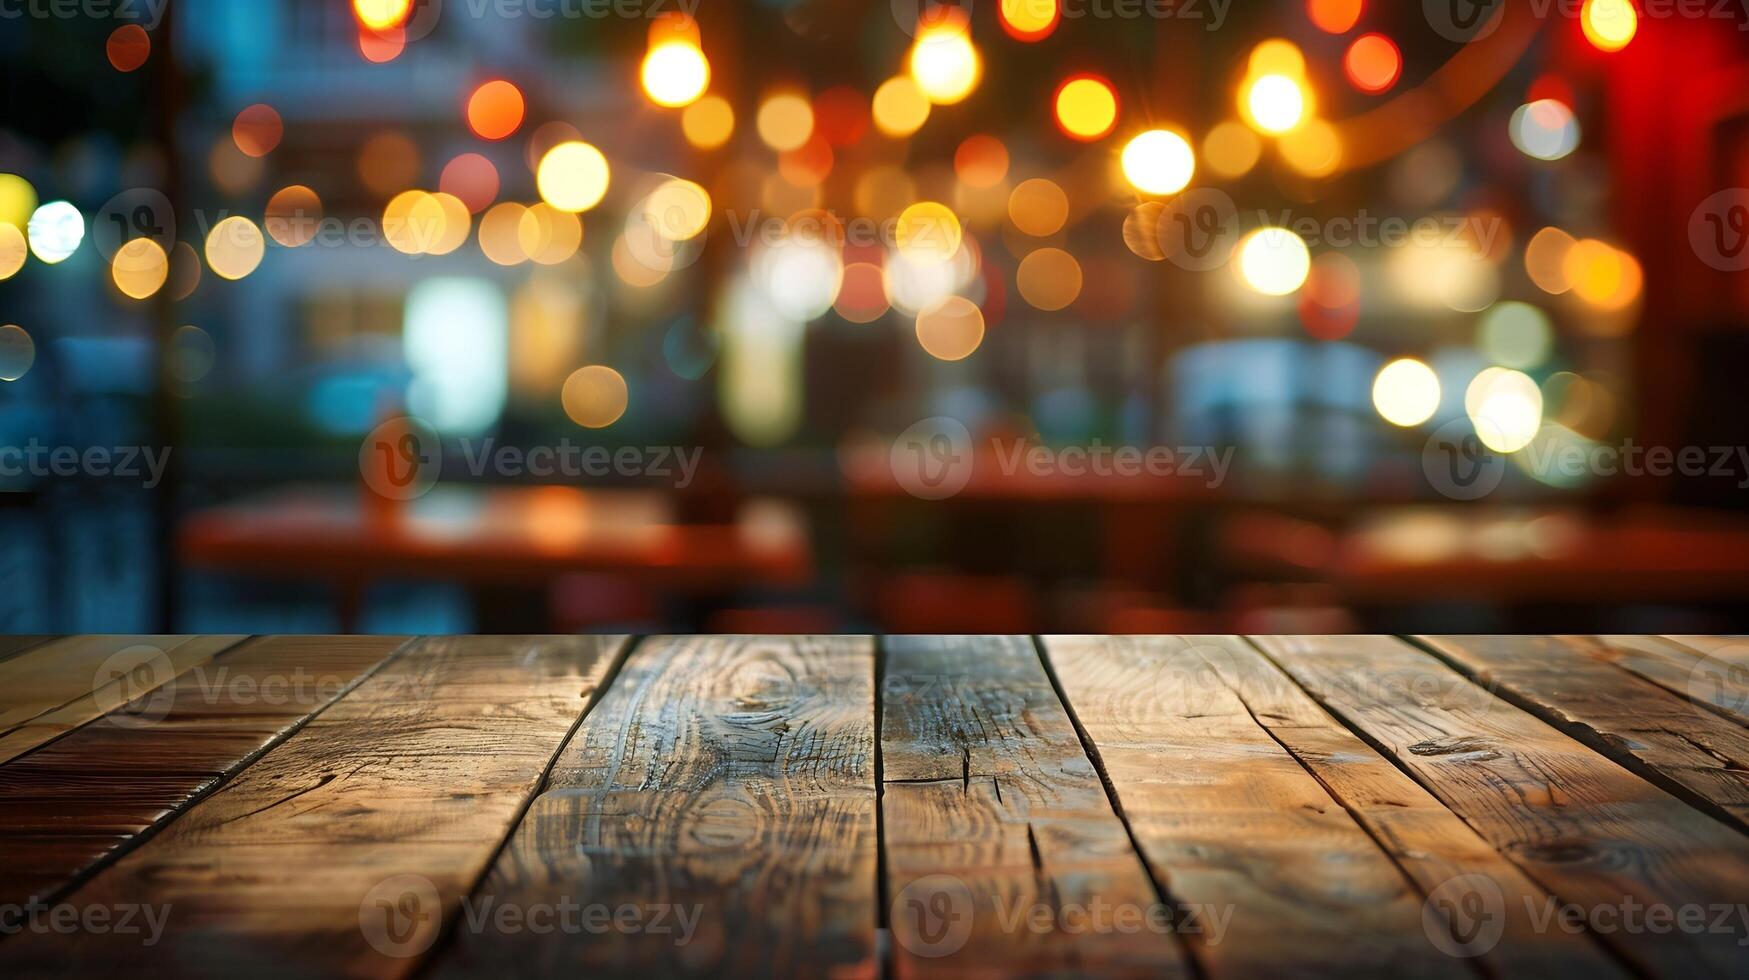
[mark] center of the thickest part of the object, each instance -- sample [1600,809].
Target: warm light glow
[1314,149]
[945,65]
[1505,407]
[1276,57]
[382,15]
[1159,161]
[293,215]
[1038,207]
[234,247]
[1334,16]
[928,232]
[708,123]
[456,223]
[413,221]
[1048,279]
[1373,63]
[1406,392]
[139,268]
[1609,24]
[472,178]
[257,130]
[951,329]
[1274,103]
[595,396]
[17,200]
[55,231]
[981,161]
[128,47]
[785,121]
[899,107]
[1086,107]
[862,297]
[1028,20]
[501,234]
[1231,149]
[1274,261]
[495,110]
[572,176]
[13,250]
[678,209]
[675,74]
[1545,259]
[547,235]
[1602,275]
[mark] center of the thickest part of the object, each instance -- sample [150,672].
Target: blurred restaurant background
[835,315]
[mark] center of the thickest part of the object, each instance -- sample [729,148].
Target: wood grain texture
[1229,820]
[12,645]
[52,689]
[1669,740]
[730,780]
[1709,670]
[1432,845]
[82,798]
[1590,832]
[344,850]
[992,811]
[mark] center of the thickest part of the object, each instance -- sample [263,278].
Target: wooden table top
[862,807]
[494,535]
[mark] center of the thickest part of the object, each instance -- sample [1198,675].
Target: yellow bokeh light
[1038,207]
[928,232]
[572,176]
[678,209]
[595,396]
[547,235]
[1609,24]
[1028,20]
[13,250]
[899,107]
[139,268]
[1276,57]
[1274,103]
[1314,149]
[1406,392]
[294,214]
[1159,161]
[501,234]
[456,223]
[413,221]
[1231,149]
[945,65]
[1602,275]
[234,247]
[1545,260]
[785,121]
[1086,108]
[1048,279]
[382,15]
[951,329]
[675,73]
[708,123]
[1274,261]
[1505,407]
[17,200]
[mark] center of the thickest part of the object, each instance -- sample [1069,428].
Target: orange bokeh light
[258,130]
[128,47]
[1334,16]
[1373,63]
[495,110]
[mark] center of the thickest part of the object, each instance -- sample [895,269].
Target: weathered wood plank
[1709,670]
[1230,820]
[1598,837]
[78,800]
[11,645]
[723,790]
[992,813]
[1432,845]
[345,849]
[1686,750]
[54,688]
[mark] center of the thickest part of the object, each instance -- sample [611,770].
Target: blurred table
[494,537]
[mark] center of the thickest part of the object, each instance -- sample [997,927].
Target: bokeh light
[1231,149]
[1159,161]
[595,396]
[1545,260]
[944,63]
[1505,407]
[382,15]
[1609,24]
[1274,261]
[1406,392]
[708,123]
[13,250]
[573,176]
[785,121]
[1602,275]
[677,209]
[1086,107]
[472,178]
[257,130]
[413,222]
[841,115]
[55,231]
[17,200]
[234,247]
[1373,63]
[1334,16]
[294,214]
[1274,103]
[1545,130]
[899,107]
[1314,149]
[928,231]
[1028,20]
[17,352]
[1038,207]
[128,47]
[495,109]
[139,268]
[547,235]
[981,161]
[951,329]
[1048,279]
[862,296]
[675,74]
[387,163]
[501,234]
